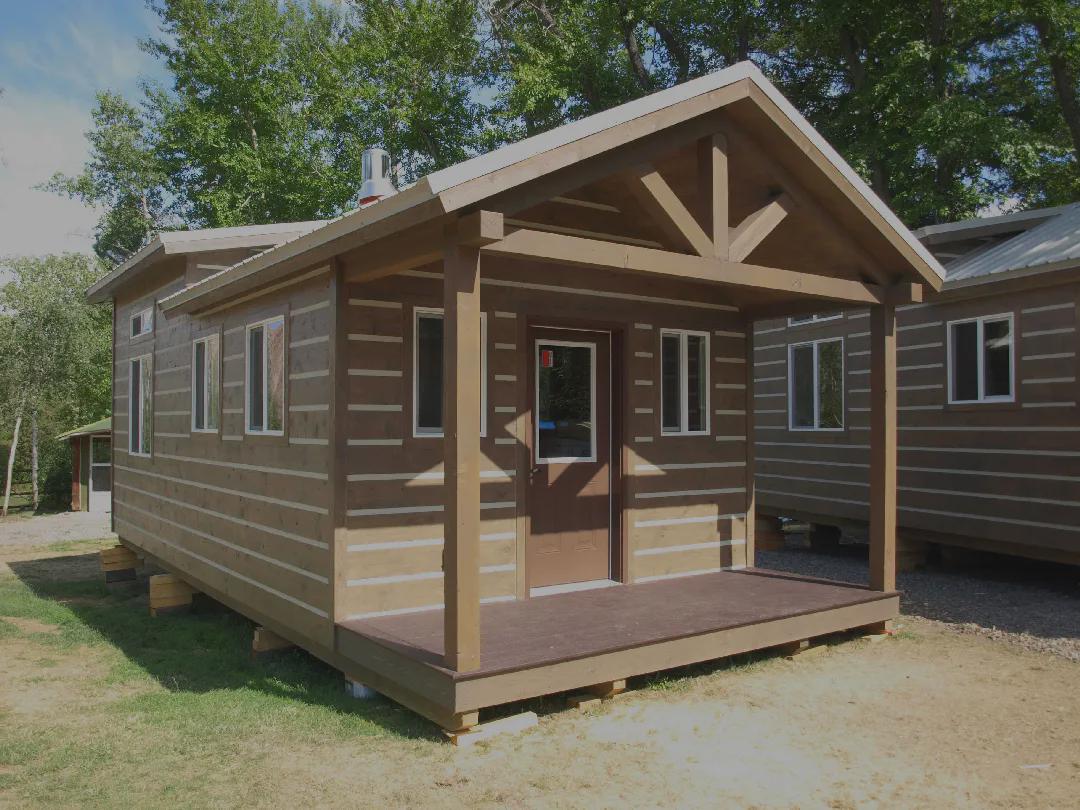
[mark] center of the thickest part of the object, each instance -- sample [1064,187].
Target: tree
[56,347]
[122,176]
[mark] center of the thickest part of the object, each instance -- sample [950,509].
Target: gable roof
[1050,239]
[172,243]
[471,182]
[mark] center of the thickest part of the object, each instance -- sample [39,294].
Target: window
[815,318]
[981,359]
[565,402]
[266,377]
[428,372]
[816,385]
[684,378]
[142,322]
[140,405]
[205,384]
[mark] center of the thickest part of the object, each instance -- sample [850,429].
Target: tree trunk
[34,458]
[633,50]
[1065,79]
[11,460]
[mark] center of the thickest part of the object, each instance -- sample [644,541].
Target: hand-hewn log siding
[246,515]
[1002,475]
[683,497]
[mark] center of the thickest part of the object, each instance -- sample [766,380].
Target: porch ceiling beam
[576,252]
[753,230]
[652,192]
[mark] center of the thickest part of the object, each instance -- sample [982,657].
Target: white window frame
[137,402]
[816,317]
[817,382]
[950,364]
[206,384]
[147,322]
[437,312]
[266,379]
[684,383]
[593,348]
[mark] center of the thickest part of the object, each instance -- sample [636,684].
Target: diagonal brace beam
[653,193]
[752,231]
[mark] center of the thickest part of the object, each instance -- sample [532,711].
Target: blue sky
[54,55]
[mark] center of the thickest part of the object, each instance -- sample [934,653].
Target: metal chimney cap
[375,176]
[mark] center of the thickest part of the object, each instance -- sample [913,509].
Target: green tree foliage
[57,352]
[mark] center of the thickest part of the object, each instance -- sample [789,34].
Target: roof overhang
[479,181]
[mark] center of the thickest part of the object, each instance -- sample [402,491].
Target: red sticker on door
[547,358]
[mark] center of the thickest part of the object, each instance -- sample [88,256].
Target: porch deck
[567,641]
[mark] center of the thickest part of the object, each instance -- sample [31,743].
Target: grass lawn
[103,706]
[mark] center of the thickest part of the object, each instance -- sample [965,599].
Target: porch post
[461,452]
[883,447]
[751,500]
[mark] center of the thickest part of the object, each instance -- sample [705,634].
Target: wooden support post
[750,520]
[713,191]
[169,594]
[461,453]
[264,641]
[607,689]
[504,725]
[883,447]
[119,564]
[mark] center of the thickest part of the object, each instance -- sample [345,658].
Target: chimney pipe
[375,176]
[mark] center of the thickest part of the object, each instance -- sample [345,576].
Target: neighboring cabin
[91,466]
[517,389]
[988,393]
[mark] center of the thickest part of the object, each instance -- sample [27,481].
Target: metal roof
[1051,242]
[100,426]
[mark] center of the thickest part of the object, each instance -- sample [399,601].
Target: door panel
[569,491]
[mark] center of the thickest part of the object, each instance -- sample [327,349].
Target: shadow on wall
[989,590]
[201,652]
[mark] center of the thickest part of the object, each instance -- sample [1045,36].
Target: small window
[205,384]
[140,405]
[816,385]
[142,322]
[981,359]
[428,372]
[815,318]
[684,378]
[266,377]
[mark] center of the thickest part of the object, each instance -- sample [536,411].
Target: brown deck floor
[542,630]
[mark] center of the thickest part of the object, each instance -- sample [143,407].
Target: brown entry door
[570,521]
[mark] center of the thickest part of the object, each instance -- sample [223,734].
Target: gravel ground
[1032,604]
[44,530]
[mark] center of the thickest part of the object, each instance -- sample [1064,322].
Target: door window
[566,402]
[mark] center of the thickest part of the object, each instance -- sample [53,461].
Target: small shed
[91,466]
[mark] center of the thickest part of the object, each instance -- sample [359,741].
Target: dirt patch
[30,625]
[72,679]
[44,530]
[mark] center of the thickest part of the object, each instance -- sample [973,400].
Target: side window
[142,322]
[684,382]
[140,405]
[981,359]
[205,384]
[266,377]
[428,372]
[816,385]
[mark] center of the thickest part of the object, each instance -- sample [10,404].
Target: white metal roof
[1053,241]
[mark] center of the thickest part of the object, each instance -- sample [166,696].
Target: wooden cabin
[487,438]
[91,466]
[987,391]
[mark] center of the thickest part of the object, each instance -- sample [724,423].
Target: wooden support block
[265,641]
[118,564]
[884,628]
[768,533]
[802,649]
[505,725]
[461,721]
[582,702]
[169,594]
[608,689]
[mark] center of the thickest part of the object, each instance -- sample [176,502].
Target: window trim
[284,371]
[431,312]
[206,404]
[684,383]
[816,428]
[137,402]
[815,317]
[148,313]
[593,348]
[981,321]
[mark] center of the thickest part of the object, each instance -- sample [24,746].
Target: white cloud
[40,135]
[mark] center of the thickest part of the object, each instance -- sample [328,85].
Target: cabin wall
[998,476]
[246,515]
[675,519]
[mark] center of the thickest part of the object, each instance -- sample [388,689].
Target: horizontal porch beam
[576,252]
